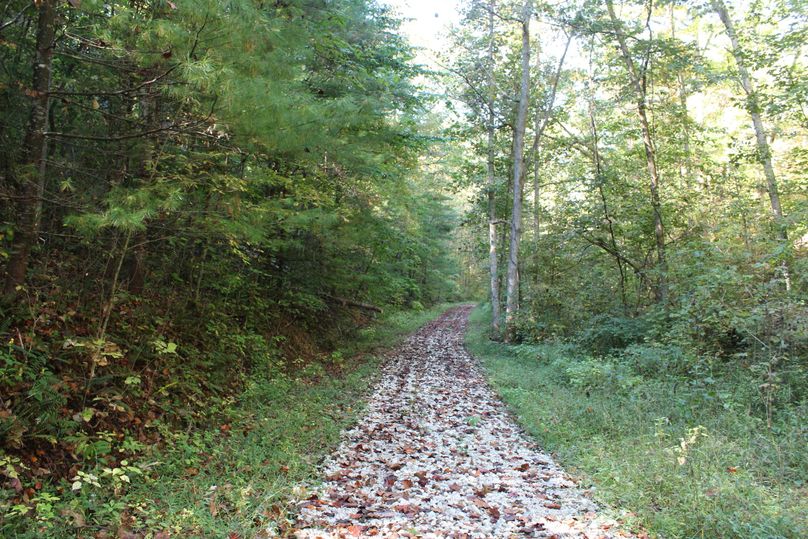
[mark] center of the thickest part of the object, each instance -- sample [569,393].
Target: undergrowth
[679,446]
[230,478]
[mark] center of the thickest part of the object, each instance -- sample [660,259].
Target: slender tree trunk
[535,152]
[31,172]
[599,178]
[512,304]
[144,174]
[502,255]
[538,127]
[542,119]
[753,106]
[638,82]
[686,167]
[492,210]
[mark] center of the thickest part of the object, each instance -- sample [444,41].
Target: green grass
[622,434]
[236,477]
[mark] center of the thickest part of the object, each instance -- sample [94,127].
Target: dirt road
[437,455]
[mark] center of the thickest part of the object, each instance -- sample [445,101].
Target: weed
[679,456]
[233,477]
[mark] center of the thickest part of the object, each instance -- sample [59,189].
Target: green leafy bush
[688,449]
[655,359]
[605,333]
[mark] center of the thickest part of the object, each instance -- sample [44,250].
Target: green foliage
[588,265]
[232,191]
[603,333]
[684,455]
[233,473]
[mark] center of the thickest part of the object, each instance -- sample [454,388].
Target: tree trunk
[599,178]
[512,304]
[686,166]
[764,152]
[638,82]
[492,210]
[535,152]
[31,172]
[144,174]
[541,121]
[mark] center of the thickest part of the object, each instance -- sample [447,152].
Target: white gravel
[437,455]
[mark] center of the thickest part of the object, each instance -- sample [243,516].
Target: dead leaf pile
[437,455]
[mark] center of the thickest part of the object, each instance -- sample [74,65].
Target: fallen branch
[350,303]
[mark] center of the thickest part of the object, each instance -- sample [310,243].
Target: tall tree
[492,182]
[542,120]
[638,79]
[512,305]
[764,153]
[30,171]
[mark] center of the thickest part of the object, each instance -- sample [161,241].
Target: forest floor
[438,455]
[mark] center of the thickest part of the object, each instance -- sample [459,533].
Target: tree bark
[538,127]
[638,82]
[492,210]
[144,174]
[512,304]
[753,106]
[686,167]
[542,120]
[31,171]
[345,302]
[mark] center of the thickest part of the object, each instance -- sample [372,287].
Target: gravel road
[437,455]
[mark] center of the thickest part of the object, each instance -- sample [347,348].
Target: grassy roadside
[231,480]
[676,461]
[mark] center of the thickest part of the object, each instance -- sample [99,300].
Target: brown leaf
[406,508]
[479,502]
[355,530]
[76,518]
[523,467]
[16,484]
[552,505]
[406,484]
[212,506]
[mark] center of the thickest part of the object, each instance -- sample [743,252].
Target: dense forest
[211,212]
[643,162]
[639,225]
[195,196]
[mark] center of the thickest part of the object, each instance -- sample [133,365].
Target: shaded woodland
[211,213]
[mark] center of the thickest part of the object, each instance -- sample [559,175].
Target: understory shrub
[604,333]
[674,444]
[654,359]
